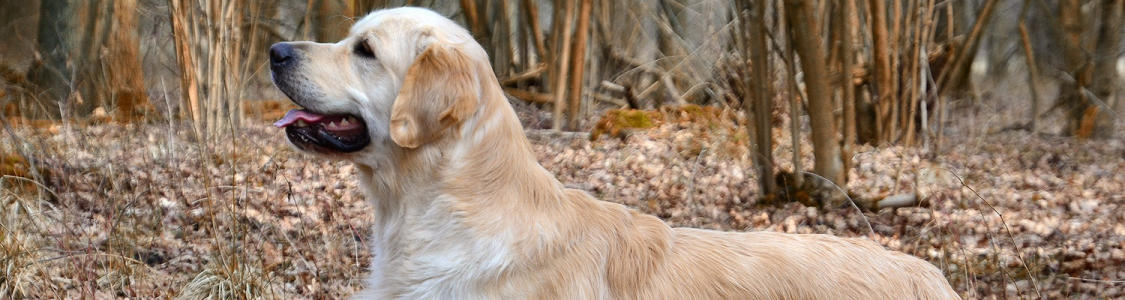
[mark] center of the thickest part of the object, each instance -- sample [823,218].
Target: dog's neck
[486,164]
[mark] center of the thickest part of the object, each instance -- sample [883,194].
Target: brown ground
[140,211]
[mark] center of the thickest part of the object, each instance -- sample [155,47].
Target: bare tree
[331,20]
[1105,82]
[89,58]
[214,62]
[1088,82]
[1032,67]
[126,77]
[849,20]
[806,38]
[881,55]
[578,64]
[755,87]
[50,73]
[564,19]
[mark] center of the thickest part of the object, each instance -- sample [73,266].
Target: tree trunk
[1105,81]
[850,21]
[806,40]
[958,72]
[884,78]
[1078,66]
[1032,68]
[359,8]
[475,18]
[89,76]
[578,63]
[759,87]
[794,101]
[331,20]
[561,61]
[50,72]
[126,77]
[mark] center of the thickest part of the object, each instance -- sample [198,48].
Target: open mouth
[324,133]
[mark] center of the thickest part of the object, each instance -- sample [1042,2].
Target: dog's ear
[441,89]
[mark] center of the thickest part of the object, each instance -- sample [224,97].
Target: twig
[1101,104]
[613,87]
[32,181]
[860,211]
[672,90]
[1096,280]
[1034,282]
[895,201]
[533,73]
[30,158]
[607,98]
[694,171]
[547,133]
[529,96]
[644,66]
[532,13]
[694,89]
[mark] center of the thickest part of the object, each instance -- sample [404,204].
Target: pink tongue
[293,115]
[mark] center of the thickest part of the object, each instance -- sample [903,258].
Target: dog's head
[402,79]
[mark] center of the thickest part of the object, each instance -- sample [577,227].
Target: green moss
[635,119]
[616,120]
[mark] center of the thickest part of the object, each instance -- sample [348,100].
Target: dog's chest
[432,255]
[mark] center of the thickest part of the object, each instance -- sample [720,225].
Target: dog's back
[686,263]
[801,266]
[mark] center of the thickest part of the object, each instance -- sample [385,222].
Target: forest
[984,136]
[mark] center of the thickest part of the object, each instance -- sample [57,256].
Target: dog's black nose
[281,54]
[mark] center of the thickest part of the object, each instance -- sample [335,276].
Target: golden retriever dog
[464,211]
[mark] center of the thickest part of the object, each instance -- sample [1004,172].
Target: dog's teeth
[332,124]
[301,123]
[344,122]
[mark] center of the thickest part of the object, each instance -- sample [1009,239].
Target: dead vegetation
[686,103]
[135,211]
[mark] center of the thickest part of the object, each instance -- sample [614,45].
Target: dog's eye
[363,49]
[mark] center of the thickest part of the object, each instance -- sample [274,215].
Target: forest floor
[137,210]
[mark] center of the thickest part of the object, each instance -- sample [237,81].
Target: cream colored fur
[464,211]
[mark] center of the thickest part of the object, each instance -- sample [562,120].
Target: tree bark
[760,106]
[126,77]
[1078,67]
[806,40]
[794,100]
[884,79]
[1032,68]
[50,72]
[331,20]
[957,73]
[578,63]
[476,20]
[561,62]
[850,21]
[1105,82]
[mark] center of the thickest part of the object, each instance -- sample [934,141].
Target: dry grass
[138,211]
[232,279]
[20,268]
[148,210]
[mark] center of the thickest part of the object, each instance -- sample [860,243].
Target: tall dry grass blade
[214,61]
[231,279]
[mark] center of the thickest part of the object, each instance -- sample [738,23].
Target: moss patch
[616,122]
